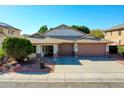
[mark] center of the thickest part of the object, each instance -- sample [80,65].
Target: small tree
[43,29]
[84,29]
[98,33]
[17,48]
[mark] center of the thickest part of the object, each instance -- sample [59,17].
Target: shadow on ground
[76,60]
[33,73]
[99,59]
[64,60]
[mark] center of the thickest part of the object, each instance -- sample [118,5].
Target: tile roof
[117,27]
[4,25]
[66,27]
[37,35]
[48,40]
[91,39]
[67,39]
[38,38]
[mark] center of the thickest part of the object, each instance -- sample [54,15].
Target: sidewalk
[62,85]
[63,80]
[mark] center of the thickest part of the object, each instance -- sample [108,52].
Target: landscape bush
[17,48]
[121,50]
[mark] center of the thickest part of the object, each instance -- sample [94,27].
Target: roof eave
[94,42]
[114,29]
[11,28]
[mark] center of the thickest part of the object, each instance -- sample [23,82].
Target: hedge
[17,48]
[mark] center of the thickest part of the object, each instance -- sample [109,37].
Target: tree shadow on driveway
[33,73]
[71,60]
[64,60]
[97,59]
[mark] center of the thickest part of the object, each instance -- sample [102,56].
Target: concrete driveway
[90,69]
[83,71]
[88,65]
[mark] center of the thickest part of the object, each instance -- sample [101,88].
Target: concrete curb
[61,84]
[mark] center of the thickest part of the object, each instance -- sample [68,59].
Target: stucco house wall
[1,38]
[115,34]
[115,37]
[11,32]
[8,32]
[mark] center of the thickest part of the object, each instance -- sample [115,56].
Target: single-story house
[68,41]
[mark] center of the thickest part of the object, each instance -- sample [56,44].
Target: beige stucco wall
[115,37]
[16,33]
[1,38]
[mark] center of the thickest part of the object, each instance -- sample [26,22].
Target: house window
[119,33]
[11,32]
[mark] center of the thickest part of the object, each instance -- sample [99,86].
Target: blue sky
[30,18]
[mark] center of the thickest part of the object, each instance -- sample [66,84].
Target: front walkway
[73,72]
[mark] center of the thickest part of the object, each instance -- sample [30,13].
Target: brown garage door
[91,50]
[66,49]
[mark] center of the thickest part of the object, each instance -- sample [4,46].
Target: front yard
[71,72]
[34,66]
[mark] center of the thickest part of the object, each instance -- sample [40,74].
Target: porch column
[107,50]
[38,51]
[41,49]
[55,50]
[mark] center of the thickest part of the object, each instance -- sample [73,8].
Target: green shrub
[17,48]
[121,50]
[2,53]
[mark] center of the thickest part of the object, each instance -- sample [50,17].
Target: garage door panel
[91,50]
[66,49]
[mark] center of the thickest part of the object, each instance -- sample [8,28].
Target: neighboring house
[8,31]
[67,41]
[115,34]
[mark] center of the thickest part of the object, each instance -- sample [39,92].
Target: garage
[66,49]
[91,49]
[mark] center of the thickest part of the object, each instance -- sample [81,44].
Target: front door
[48,50]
